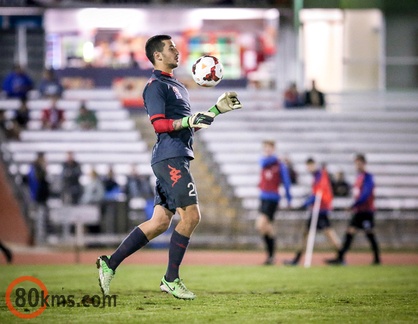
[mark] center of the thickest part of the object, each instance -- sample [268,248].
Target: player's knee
[162,225]
[194,219]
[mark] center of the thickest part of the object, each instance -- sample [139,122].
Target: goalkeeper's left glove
[226,102]
[198,120]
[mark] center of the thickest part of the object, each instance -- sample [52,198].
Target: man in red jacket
[321,183]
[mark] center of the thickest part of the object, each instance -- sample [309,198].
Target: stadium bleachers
[386,132]
[116,141]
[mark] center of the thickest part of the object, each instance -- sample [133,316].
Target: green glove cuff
[185,122]
[215,110]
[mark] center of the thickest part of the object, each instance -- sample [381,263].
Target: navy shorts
[268,208]
[363,220]
[175,186]
[323,221]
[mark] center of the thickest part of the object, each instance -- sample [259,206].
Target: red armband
[161,124]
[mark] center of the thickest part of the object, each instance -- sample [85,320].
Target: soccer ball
[207,71]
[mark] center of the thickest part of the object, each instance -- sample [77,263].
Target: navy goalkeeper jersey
[166,97]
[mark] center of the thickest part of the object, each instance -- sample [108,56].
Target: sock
[270,243]
[297,257]
[178,246]
[375,247]
[132,243]
[346,246]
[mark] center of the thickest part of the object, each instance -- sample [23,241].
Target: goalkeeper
[168,107]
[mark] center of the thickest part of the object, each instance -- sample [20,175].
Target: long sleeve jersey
[364,192]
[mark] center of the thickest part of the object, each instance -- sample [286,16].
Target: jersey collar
[159,73]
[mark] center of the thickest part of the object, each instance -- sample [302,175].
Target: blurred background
[76,141]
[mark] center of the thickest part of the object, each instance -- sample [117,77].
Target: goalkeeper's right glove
[198,120]
[226,102]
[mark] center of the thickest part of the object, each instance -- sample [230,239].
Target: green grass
[232,294]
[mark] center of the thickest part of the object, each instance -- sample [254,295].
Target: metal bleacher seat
[77,136]
[386,132]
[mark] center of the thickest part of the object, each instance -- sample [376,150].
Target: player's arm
[286,182]
[167,125]
[226,102]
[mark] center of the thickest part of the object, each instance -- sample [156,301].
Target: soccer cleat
[336,261]
[269,261]
[177,288]
[290,262]
[105,273]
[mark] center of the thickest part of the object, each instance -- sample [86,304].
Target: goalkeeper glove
[198,120]
[226,102]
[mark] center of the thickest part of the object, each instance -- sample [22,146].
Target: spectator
[6,127]
[39,192]
[71,187]
[50,86]
[53,117]
[138,185]
[86,119]
[21,118]
[17,83]
[292,173]
[132,61]
[340,186]
[292,97]
[314,97]
[94,191]
[112,188]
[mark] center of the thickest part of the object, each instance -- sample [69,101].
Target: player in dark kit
[167,104]
[363,212]
[273,173]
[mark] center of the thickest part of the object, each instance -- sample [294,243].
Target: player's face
[311,167]
[170,55]
[360,166]
[268,149]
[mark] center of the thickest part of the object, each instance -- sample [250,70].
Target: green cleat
[177,289]
[105,273]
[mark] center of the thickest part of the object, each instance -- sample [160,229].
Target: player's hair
[155,44]
[360,157]
[269,142]
[310,161]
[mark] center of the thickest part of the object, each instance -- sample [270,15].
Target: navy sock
[132,243]
[346,246]
[178,246]
[297,257]
[374,246]
[270,243]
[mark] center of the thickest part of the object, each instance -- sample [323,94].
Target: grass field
[230,294]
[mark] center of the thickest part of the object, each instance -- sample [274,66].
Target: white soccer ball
[207,71]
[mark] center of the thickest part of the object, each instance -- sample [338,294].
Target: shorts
[268,208]
[363,220]
[175,186]
[323,221]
